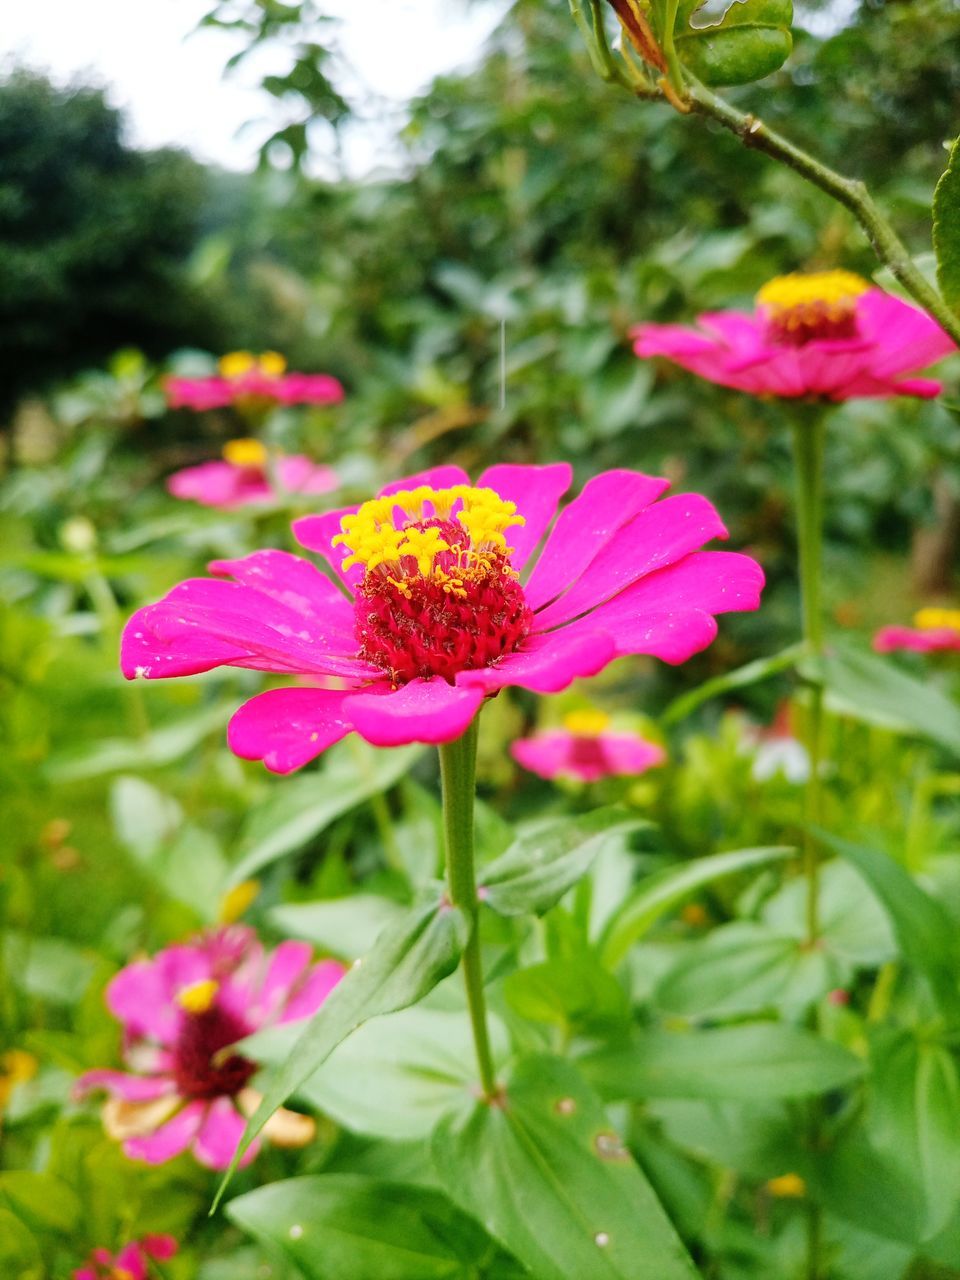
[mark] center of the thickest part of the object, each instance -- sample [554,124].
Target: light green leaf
[751,40]
[344,1226]
[543,863]
[346,927]
[143,817]
[575,993]
[760,1061]
[41,1200]
[161,747]
[408,960]
[556,1186]
[853,926]
[946,229]
[49,968]
[299,808]
[741,678]
[661,892]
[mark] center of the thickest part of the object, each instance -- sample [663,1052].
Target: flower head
[131,1263]
[182,1011]
[444,602]
[243,477]
[246,380]
[586,749]
[827,334]
[934,630]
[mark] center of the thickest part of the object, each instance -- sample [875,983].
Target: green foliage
[946,221]
[751,40]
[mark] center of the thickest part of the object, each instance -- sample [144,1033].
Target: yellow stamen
[424,545]
[198,996]
[272,364]
[245,453]
[586,723]
[819,304]
[933,619]
[236,363]
[789,1186]
[236,900]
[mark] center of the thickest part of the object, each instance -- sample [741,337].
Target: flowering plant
[246,380]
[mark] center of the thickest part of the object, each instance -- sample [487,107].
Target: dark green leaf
[556,1185]
[946,229]
[752,39]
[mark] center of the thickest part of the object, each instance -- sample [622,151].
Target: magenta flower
[827,334]
[935,630]
[585,749]
[131,1263]
[246,380]
[181,1010]
[242,477]
[436,618]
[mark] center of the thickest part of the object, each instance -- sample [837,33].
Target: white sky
[171,83]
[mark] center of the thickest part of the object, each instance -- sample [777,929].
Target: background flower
[586,749]
[935,630]
[244,476]
[245,378]
[131,1263]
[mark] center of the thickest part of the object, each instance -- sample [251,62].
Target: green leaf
[48,968]
[408,960]
[346,927]
[162,746]
[666,889]
[913,1109]
[557,1187]
[143,817]
[925,933]
[746,968]
[946,229]
[751,40]
[760,1061]
[853,926]
[298,809]
[741,678]
[871,689]
[41,1200]
[574,993]
[542,864]
[342,1226]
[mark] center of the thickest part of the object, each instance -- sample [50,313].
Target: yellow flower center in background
[586,723]
[246,453]
[787,1186]
[198,996]
[933,619]
[822,304]
[236,363]
[272,364]
[375,541]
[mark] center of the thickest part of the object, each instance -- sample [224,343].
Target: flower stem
[808,442]
[458,761]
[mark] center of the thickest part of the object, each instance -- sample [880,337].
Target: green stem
[808,442]
[458,760]
[850,192]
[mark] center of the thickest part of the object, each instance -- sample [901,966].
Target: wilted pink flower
[827,334]
[935,630]
[436,617]
[586,749]
[131,1263]
[181,1010]
[243,477]
[245,379]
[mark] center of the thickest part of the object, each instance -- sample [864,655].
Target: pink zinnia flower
[586,749]
[181,1010]
[131,1263]
[826,334]
[242,477]
[935,630]
[436,617]
[248,380]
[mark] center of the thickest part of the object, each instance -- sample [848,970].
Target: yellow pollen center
[586,723]
[245,453]
[272,364]
[819,304]
[236,363]
[787,1186]
[198,996]
[385,530]
[935,619]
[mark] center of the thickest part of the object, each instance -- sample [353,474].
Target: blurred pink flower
[438,619]
[586,750]
[181,1010]
[131,1263]
[245,378]
[935,630]
[242,477]
[826,334]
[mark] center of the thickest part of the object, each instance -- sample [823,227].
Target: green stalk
[808,443]
[458,762]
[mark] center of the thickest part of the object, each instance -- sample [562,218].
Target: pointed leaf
[751,40]
[946,229]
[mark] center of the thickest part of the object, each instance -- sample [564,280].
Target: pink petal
[658,536]
[300,474]
[286,968]
[142,995]
[560,753]
[160,1247]
[608,502]
[170,1139]
[546,663]
[286,728]
[298,585]
[130,1088]
[445,477]
[85,1273]
[428,711]
[536,491]
[905,338]
[220,1136]
[220,484]
[930,640]
[308,998]
[130,1260]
